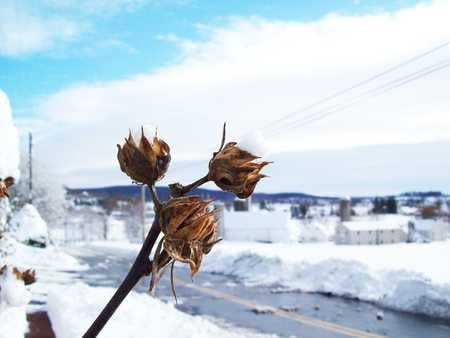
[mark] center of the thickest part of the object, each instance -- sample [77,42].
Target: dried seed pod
[144,163]
[189,228]
[4,185]
[234,170]
[28,276]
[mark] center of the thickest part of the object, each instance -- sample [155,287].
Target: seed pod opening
[189,228]
[235,170]
[4,185]
[144,162]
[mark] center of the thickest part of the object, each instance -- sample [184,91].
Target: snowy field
[408,277]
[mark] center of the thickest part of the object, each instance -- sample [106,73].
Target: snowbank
[138,316]
[13,322]
[27,224]
[12,290]
[408,277]
[9,142]
[13,299]
[52,267]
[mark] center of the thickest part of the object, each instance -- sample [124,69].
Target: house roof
[391,222]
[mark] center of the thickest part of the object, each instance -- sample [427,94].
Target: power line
[320,115]
[357,85]
[276,126]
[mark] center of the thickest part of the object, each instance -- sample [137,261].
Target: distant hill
[133,191]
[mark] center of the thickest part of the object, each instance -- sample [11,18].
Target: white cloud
[97,6]
[106,7]
[24,31]
[251,72]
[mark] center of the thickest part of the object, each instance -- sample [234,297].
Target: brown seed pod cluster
[187,223]
[27,276]
[144,162]
[4,186]
[235,170]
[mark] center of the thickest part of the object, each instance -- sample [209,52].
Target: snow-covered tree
[48,193]
[28,227]
[9,160]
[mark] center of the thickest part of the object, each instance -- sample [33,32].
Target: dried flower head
[144,162]
[189,227]
[27,276]
[234,170]
[4,185]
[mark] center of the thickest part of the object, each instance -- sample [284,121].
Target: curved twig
[223,136]
[172,284]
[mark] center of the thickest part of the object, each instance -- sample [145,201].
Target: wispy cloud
[27,27]
[97,6]
[24,30]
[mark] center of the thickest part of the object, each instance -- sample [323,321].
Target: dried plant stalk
[188,223]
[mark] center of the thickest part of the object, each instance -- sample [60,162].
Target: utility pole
[30,167]
[143,211]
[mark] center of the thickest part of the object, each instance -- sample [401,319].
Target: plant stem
[141,266]
[137,271]
[156,201]
[177,189]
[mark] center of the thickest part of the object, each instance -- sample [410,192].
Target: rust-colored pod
[189,228]
[144,162]
[235,170]
[4,186]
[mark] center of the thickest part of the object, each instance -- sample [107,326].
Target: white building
[381,230]
[258,226]
[430,229]
[310,232]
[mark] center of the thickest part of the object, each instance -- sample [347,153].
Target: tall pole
[143,211]
[30,167]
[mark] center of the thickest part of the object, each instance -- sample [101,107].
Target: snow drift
[9,151]
[13,298]
[407,277]
[9,142]
[27,226]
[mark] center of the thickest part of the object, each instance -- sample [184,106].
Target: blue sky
[116,41]
[80,73]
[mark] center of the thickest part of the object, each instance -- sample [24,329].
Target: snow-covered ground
[408,277]
[13,299]
[52,268]
[140,315]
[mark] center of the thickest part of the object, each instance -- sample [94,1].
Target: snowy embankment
[407,277]
[52,269]
[13,299]
[9,141]
[140,315]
